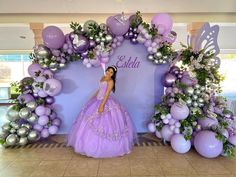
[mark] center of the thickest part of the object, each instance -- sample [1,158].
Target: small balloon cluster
[191,112]
[32,116]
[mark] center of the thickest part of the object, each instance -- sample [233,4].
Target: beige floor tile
[50,169]
[114,167]
[166,152]
[189,175]
[229,164]
[82,167]
[176,166]
[141,152]
[19,169]
[217,175]
[150,176]
[145,166]
[205,166]
[4,163]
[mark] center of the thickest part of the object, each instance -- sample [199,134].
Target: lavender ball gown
[104,135]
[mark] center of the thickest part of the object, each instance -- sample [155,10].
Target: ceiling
[16,15]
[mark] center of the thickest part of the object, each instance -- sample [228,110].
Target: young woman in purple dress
[103,128]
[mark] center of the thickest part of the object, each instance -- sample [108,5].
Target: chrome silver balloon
[23,141]
[6,127]
[23,131]
[31,105]
[33,135]
[12,140]
[12,114]
[33,118]
[24,113]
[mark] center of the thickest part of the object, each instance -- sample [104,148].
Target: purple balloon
[207,145]
[34,68]
[48,73]
[207,122]
[118,25]
[80,43]
[92,44]
[180,144]
[42,94]
[169,79]
[53,115]
[166,133]
[162,20]
[232,140]
[38,127]
[45,133]
[43,120]
[179,111]
[53,129]
[187,80]
[50,100]
[53,37]
[158,134]
[151,127]
[25,98]
[52,87]
[40,110]
[56,122]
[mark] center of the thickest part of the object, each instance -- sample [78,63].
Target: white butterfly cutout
[206,39]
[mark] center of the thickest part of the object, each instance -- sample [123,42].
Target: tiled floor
[144,161]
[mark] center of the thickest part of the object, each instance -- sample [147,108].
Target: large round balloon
[180,144]
[52,87]
[163,22]
[118,24]
[53,37]
[207,145]
[207,122]
[179,111]
[79,43]
[34,69]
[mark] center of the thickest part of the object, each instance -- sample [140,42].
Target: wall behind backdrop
[138,86]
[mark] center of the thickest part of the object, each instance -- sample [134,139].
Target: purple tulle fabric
[109,134]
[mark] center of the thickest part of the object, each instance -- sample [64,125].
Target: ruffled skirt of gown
[104,135]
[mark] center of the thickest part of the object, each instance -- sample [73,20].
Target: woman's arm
[110,85]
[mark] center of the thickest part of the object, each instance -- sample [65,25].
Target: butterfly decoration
[206,40]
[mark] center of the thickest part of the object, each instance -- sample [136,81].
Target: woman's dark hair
[113,77]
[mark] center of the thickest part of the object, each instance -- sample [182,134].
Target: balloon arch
[191,112]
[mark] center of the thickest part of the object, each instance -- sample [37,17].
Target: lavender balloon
[34,69]
[53,37]
[25,98]
[166,133]
[38,127]
[53,129]
[56,122]
[52,87]
[207,145]
[40,110]
[164,21]
[118,24]
[43,120]
[232,140]
[45,133]
[80,43]
[179,111]
[179,144]
[151,127]
[207,122]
